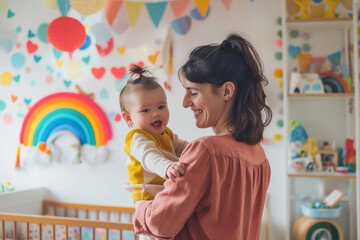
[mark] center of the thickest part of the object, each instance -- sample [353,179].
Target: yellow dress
[149,157]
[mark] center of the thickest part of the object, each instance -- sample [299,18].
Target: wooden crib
[69,215]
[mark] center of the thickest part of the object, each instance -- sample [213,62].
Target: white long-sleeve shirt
[149,157]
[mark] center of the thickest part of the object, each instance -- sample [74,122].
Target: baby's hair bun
[136,70]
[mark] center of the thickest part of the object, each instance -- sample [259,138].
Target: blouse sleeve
[179,144]
[166,215]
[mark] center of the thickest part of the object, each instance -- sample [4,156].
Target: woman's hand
[175,170]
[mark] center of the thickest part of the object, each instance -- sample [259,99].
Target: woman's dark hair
[140,79]
[234,60]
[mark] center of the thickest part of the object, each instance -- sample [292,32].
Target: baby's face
[148,110]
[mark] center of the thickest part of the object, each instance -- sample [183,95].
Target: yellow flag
[203,6]
[133,10]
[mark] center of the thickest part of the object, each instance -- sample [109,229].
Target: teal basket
[308,211]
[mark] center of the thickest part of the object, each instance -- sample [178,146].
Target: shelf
[325,95]
[323,175]
[320,23]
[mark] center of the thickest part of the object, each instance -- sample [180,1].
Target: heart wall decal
[98,72]
[119,72]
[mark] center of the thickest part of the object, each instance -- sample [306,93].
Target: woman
[222,194]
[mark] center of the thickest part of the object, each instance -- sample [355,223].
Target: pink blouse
[221,196]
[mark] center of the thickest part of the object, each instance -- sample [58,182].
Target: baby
[152,147]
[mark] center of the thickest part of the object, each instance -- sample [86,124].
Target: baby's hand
[175,170]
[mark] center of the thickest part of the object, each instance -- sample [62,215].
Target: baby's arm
[152,159]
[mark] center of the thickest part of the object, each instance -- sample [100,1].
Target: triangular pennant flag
[227,3]
[133,10]
[111,9]
[319,63]
[178,7]
[156,11]
[121,21]
[202,5]
[64,6]
[335,58]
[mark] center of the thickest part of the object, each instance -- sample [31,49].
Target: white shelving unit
[328,117]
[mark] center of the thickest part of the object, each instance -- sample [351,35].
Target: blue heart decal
[27,101]
[86,59]
[31,34]
[37,58]
[294,51]
[67,83]
[57,53]
[10,14]
[16,78]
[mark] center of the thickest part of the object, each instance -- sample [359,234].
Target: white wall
[102,183]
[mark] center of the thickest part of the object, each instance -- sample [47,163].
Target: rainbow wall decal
[65,111]
[334,83]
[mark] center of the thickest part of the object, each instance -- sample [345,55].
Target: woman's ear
[126,116]
[228,91]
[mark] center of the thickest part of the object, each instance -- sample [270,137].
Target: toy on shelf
[303,7]
[327,208]
[305,155]
[309,9]
[317,75]
[305,80]
[312,228]
[329,159]
[316,9]
[332,5]
[312,149]
[300,160]
[350,153]
[315,222]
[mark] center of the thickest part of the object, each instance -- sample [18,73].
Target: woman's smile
[197,112]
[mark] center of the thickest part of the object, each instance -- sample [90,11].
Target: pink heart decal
[98,72]
[140,64]
[117,117]
[31,47]
[118,72]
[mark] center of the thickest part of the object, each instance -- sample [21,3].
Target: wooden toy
[311,228]
[303,62]
[332,5]
[303,4]
[348,4]
[329,157]
[316,10]
[292,8]
[333,198]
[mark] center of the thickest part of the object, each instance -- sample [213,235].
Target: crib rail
[87,208]
[62,221]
